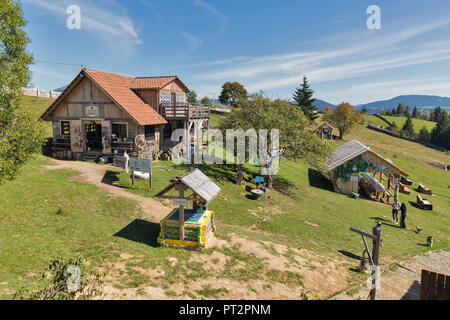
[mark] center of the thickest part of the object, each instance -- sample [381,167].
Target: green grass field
[302,213]
[36,106]
[400,121]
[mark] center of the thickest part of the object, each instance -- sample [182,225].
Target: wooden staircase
[90,155]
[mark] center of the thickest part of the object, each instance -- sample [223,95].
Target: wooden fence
[434,286]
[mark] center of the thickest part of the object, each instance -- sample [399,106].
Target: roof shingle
[155,83]
[117,87]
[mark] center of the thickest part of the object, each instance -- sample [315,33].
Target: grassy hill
[296,236]
[36,106]
[400,121]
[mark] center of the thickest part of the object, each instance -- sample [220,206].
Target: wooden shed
[325,130]
[189,227]
[101,113]
[349,168]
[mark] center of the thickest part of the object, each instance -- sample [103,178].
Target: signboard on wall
[354,178]
[180,202]
[142,165]
[92,111]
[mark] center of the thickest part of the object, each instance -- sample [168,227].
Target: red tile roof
[117,87]
[155,82]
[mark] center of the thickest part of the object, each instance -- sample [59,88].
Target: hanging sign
[92,111]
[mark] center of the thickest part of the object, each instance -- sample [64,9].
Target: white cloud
[223,19]
[373,53]
[117,30]
[194,42]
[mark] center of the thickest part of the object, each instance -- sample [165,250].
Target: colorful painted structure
[325,131]
[198,228]
[189,227]
[349,169]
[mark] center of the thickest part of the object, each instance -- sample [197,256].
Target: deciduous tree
[233,93]
[343,118]
[20,135]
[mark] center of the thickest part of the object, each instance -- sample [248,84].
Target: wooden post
[132,178]
[151,180]
[373,291]
[181,188]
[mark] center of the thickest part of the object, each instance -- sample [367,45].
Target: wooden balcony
[184,111]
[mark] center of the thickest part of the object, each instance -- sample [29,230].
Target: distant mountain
[422,102]
[60,89]
[320,104]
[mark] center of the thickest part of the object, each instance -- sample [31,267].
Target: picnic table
[423,203]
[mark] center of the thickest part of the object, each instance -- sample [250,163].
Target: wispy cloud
[194,42]
[222,18]
[374,52]
[117,30]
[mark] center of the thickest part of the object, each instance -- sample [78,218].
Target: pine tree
[415,113]
[303,96]
[440,134]
[400,109]
[424,134]
[408,128]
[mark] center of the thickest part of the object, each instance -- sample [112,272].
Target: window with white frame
[180,97]
[165,97]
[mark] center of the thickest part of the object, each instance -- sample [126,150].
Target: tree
[394,127]
[400,109]
[424,134]
[192,97]
[343,118]
[233,93]
[415,113]
[407,112]
[205,101]
[297,139]
[20,136]
[408,128]
[440,134]
[437,114]
[393,112]
[303,96]
[364,110]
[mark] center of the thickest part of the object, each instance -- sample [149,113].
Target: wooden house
[349,168]
[325,131]
[101,113]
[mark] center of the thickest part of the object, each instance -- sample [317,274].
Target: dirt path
[95,174]
[404,282]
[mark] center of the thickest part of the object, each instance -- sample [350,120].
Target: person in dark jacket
[403,216]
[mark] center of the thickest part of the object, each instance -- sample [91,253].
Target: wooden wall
[173,87]
[150,97]
[84,94]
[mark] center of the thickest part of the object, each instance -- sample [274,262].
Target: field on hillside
[296,237]
[400,121]
[36,106]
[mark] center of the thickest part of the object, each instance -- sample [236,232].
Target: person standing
[375,231]
[395,208]
[403,216]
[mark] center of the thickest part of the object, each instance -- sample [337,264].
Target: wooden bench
[406,181]
[424,189]
[423,203]
[404,189]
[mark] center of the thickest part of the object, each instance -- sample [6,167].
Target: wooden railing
[173,111]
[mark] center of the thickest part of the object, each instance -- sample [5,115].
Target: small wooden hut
[189,227]
[349,168]
[325,131]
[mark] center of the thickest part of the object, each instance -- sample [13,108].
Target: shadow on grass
[141,231]
[350,255]
[385,222]
[317,180]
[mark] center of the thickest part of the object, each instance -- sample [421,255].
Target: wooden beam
[371,236]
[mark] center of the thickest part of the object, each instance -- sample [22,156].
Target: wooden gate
[434,286]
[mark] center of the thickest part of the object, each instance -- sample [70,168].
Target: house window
[180,97]
[119,130]
[149,132]
[65,128]
[165,97]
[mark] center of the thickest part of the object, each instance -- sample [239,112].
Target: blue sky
[265,45]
